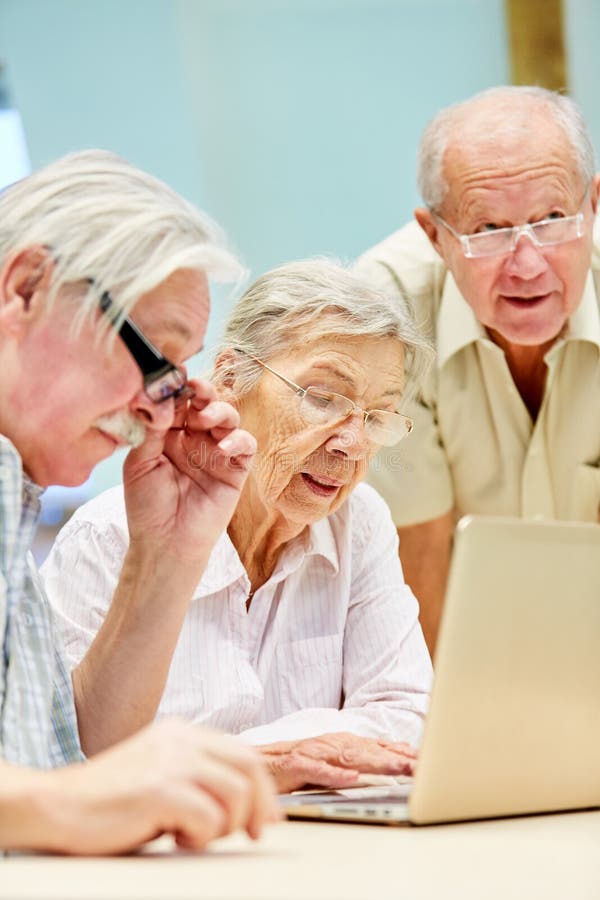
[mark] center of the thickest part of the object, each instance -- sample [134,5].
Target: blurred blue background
[294,123]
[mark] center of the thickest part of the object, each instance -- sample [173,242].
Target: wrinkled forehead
[355,359]
[507,141]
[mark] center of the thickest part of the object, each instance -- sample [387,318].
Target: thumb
[146,457]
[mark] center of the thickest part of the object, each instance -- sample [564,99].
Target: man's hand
[171,778]
[334,760]
[182,486]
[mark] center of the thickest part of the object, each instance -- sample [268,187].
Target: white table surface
[536,857]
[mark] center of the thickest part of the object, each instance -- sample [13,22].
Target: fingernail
[226,444]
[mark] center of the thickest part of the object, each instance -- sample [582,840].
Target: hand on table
[172,778]
[182,486]
[334,760]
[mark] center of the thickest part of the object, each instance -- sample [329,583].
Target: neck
[528,369]
[259,535]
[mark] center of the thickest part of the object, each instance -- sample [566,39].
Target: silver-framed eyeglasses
[500,241]
[320,407]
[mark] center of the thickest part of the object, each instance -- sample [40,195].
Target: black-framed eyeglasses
[163,380]
[319,407]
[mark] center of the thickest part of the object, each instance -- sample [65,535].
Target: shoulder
[406,263]
[105,516]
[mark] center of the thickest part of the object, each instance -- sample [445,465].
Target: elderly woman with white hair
[302,636]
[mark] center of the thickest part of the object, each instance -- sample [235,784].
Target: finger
[215,414]
[231,787]
[238,443]
[263,807]
[251,809]
[202,394]
[376,760]
[192,815]
[277,747]
[143,459]
[402,748]
[293,771]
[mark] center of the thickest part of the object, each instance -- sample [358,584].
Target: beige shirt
[475,448]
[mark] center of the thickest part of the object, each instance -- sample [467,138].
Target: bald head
[510,119]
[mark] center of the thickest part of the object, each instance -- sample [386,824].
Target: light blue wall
[309,112]
[582,28]
[293,122]
[102,74]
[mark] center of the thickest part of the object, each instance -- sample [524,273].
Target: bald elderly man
[502,270]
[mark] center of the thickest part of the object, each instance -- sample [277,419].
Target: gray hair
[107,222]
[434,141]
[307,300]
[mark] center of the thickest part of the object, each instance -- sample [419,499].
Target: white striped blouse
[331,642]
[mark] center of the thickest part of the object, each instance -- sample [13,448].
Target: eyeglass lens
[171,384]
[545,233]
[325,407]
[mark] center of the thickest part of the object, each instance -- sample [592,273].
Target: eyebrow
[343,376]
[174,326]
[332,369]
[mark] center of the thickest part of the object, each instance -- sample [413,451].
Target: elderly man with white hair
[103,295]
[502,270]
[301,636]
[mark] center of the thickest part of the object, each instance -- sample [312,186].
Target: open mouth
[526,302]
[323,487]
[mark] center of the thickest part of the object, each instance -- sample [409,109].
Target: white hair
[434,141]
[304,301]
[111,227]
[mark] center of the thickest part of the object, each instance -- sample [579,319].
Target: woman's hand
[334,760]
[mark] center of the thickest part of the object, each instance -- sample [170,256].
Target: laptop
[514,721]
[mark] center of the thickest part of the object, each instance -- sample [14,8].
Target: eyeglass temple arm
[295,387]
[151,361]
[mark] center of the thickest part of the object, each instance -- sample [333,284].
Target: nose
[527,260]
[349,439]
[157,416]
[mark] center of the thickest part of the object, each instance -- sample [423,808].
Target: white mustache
[123,426]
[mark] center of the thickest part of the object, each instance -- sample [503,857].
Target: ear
[225,367]
[594,191]
[24,280]
[429,224]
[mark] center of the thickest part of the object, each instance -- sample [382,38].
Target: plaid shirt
[38,724]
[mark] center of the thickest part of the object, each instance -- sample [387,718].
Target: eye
[487,226]
[379,416]
[555,215]
[319,399]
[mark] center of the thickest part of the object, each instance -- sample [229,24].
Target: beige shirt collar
[457,325]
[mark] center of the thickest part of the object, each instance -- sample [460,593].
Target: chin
[532,337]
[534,332]
[67,474]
